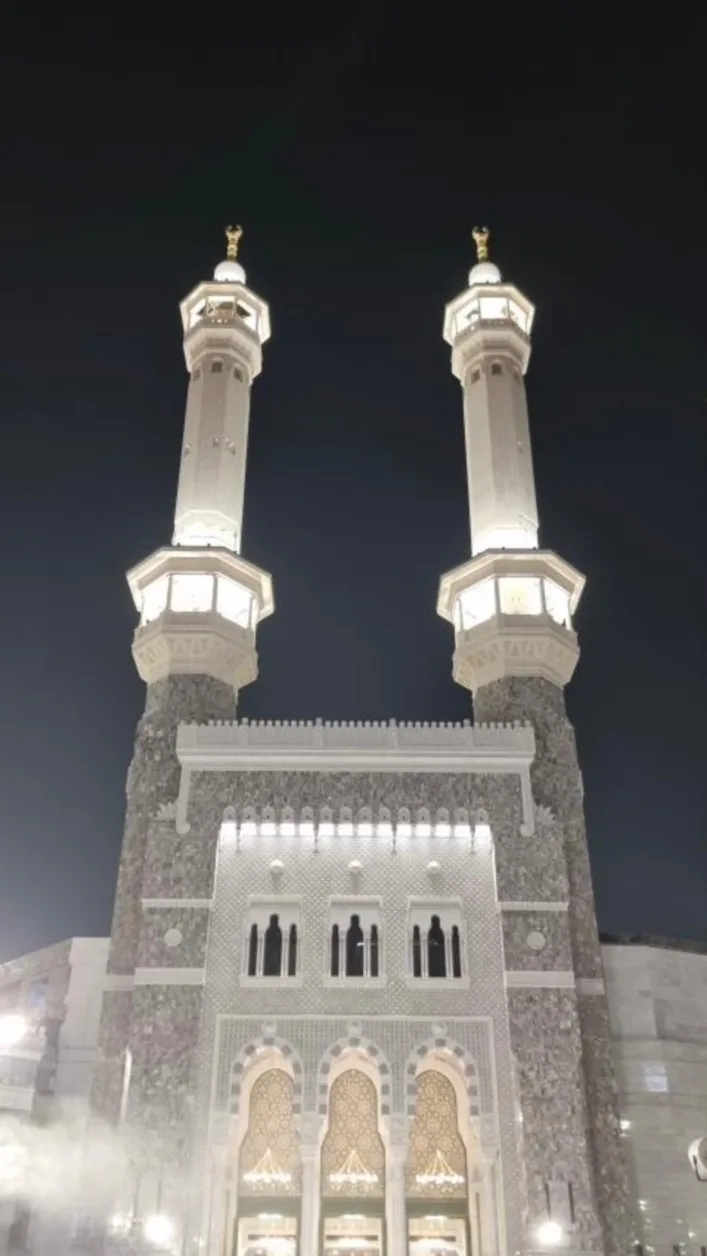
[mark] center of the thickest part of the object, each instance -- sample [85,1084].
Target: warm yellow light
[477,604]
[519,595]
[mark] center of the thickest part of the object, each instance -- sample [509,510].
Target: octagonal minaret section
[512,604]
[199,601]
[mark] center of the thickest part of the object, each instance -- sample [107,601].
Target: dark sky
[357,155]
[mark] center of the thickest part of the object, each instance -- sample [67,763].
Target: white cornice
[315,746]
[535,905]
[169,976]
[176,902]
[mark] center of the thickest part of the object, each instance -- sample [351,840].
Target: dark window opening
[292,954]
[436,958]
[354,948]
[496,368]
[416,952]
[475,376]
[456,952]
[253,951]
[335,951]
[374,950]
[272,952]
[216,368]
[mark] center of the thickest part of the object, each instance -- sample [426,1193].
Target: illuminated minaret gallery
[355,999]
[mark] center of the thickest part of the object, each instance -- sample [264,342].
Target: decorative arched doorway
[439,1168]
[263,1206]
[353,1168]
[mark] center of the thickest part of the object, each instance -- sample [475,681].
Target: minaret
[512,606]
[199,603]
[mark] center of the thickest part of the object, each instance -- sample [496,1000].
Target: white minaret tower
[512,604]
[199,601]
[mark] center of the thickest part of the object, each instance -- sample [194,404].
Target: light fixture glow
[13,1027]
[266,1172]
[549,1233]
[353,1172]
[120,1223]
[159,1230]
[439,1174]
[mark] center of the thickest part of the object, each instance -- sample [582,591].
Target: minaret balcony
[215,314]
[512,615]
[486,318]
[199,610]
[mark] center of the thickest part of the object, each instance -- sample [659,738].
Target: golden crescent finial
[481,240]
[233,237]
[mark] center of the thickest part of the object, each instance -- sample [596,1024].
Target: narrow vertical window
[354,948]
[436,958]
[292,953]
[335,951]
[272,955]
[374,951]
[456,952]
[416,952]
[253,951]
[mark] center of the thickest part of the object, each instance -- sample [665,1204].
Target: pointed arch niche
[353,1147]
[262,1182]
[443,1167]
[268,1157]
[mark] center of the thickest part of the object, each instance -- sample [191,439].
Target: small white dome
[484,272]
[229,272]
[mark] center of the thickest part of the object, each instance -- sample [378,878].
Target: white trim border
[537,979]
[169,976]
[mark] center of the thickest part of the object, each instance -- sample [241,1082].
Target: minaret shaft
[211,490]
[502,507]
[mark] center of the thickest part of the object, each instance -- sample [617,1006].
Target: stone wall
[557,786]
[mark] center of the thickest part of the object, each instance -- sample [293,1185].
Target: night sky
[357,156]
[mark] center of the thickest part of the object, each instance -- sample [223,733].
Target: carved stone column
[395,1209]
[311,1129]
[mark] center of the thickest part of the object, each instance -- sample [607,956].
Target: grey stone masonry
[557,786]
[153,779]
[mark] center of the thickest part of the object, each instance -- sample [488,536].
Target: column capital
[311,1127]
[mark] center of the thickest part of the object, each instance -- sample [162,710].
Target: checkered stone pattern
[353,1041]
[442,1042]
[396,1046]
[396,1021]
[267,1041]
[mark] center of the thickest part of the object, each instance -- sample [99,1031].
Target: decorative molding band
[355,747]
[352,747]
[257,740]
[270,983]
[533,906]
[590,985]
[176,902]
[169,976]
[537,979]
[118,981]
